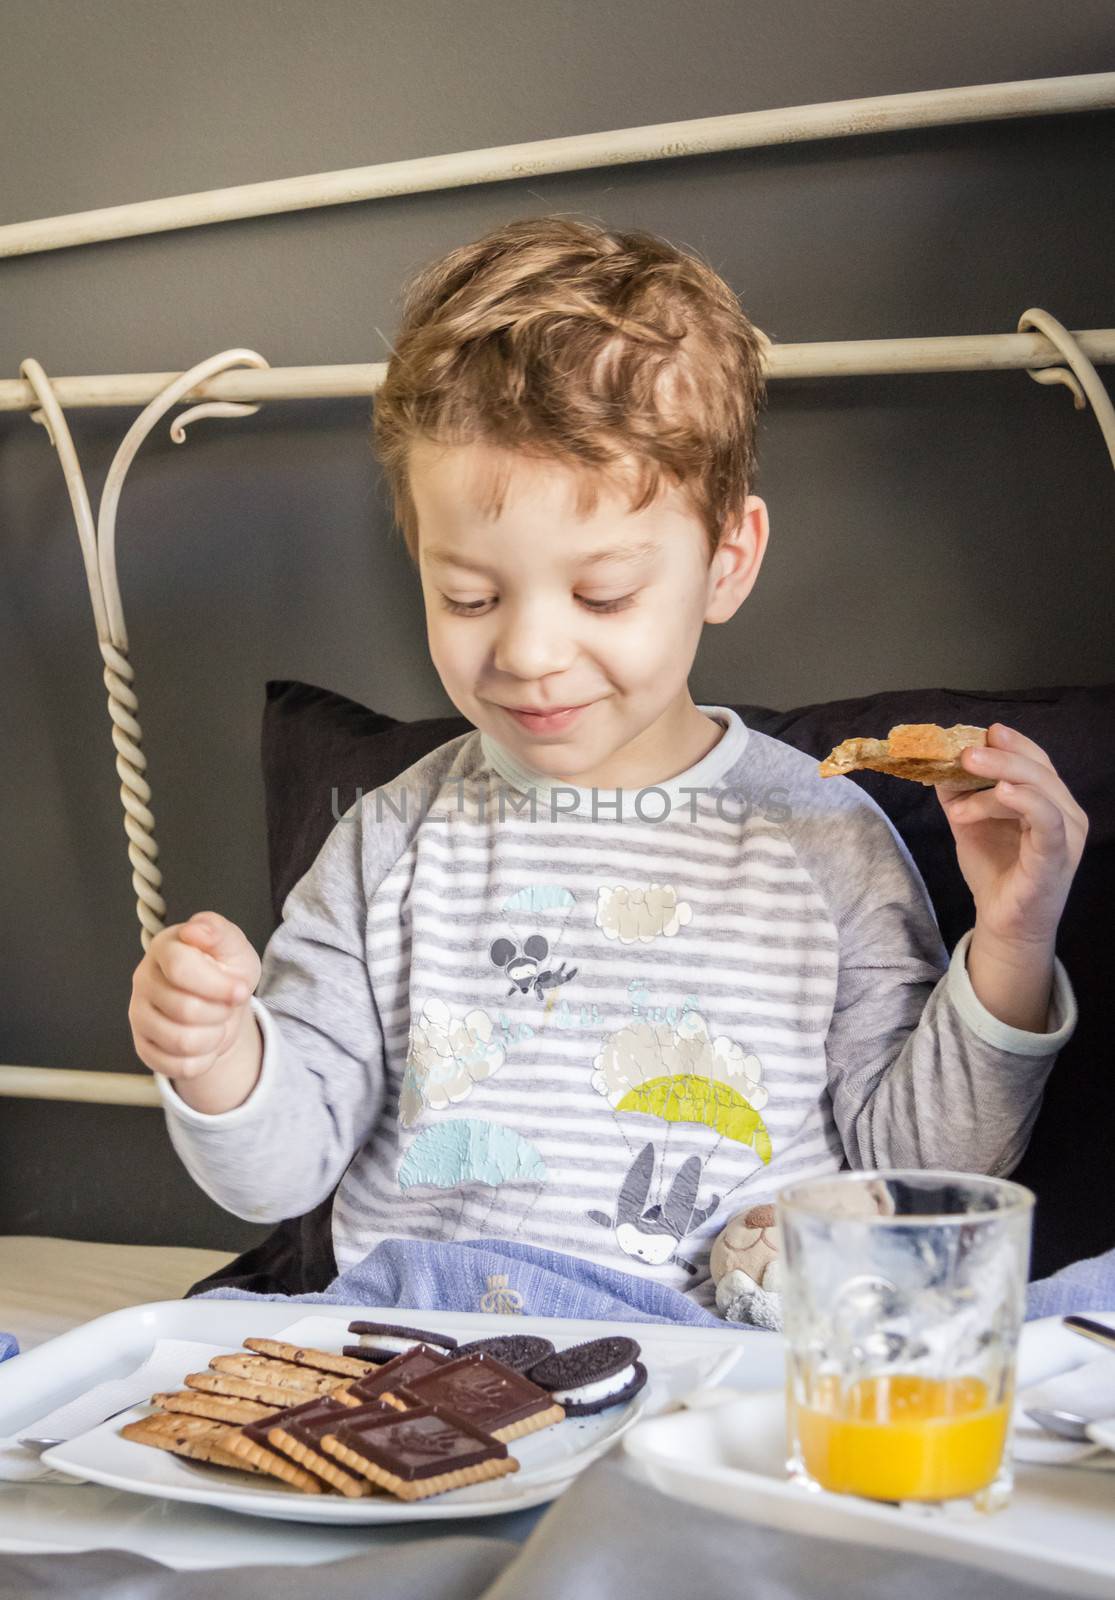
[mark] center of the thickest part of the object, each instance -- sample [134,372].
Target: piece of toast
[921,751]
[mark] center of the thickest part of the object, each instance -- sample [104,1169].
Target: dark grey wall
[930,530]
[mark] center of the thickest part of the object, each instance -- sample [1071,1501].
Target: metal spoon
[1065,1424]
[1091,1330]
[35,1442]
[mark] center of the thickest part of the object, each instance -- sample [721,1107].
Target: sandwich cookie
[590,1377]
[379,1341]
[519,1350]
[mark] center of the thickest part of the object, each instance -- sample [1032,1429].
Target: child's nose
[530,645]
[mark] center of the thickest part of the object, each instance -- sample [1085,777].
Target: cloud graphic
[446,1055]
[636,916]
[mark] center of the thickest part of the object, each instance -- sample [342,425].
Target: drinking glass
[903,1300]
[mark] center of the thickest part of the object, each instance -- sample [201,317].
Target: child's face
[540,609]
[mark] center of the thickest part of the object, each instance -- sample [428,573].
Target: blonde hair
[595,349]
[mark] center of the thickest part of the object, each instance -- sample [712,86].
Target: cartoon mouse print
[653,1233]
[523,966]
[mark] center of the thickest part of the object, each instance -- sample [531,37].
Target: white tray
[1057,1532]
[50,1517]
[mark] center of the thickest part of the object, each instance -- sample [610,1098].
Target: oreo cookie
[380,1341]
[591,1377]
[520,1351]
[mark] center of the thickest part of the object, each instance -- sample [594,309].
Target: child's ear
[735,565]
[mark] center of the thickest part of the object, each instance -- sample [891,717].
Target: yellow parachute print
[687,1098]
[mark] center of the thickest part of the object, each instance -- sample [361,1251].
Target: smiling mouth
[545,711]
[555,720]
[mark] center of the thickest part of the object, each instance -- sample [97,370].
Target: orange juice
[902,1437]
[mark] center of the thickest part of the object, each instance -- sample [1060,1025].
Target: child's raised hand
[190,995]
[1018,844]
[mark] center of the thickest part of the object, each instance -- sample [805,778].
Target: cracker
[314,1461]
[541,1419]
[195,1437]
[217,1407]
[922,752]
[305,1356]
[245,1450]
[278,1374]
[268,1394]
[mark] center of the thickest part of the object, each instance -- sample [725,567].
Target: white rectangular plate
[1058,1531]
[549,1459]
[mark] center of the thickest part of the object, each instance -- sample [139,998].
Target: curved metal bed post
[1083,379]
[99,552]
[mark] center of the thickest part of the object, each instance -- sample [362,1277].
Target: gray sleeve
[921,1074]
[321,1084]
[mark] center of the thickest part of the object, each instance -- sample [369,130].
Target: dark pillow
[321,749]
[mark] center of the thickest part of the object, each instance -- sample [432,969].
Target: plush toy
[746,1267]
[745,1261]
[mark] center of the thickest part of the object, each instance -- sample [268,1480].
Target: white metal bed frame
[1042,347]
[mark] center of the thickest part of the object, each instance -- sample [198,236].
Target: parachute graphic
[468,1150]
[690,1099]
[678,1073]
[538,897]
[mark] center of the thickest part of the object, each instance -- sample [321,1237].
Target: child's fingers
[192,970]
[174,1039]
[211,932]
[180,1007]
[1001,737]
[979,805]
[171,1066]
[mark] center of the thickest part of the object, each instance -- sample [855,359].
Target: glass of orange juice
[903,1297]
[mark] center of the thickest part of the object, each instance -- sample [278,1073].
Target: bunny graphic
[653,1233]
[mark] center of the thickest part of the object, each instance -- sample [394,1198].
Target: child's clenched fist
[190,1011]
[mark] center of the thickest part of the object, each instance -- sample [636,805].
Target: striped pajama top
[605,1022]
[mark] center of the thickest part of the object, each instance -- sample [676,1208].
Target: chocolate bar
[295,1433]
[401,1369]
[411,1445]
[307,1421]
[486,1393]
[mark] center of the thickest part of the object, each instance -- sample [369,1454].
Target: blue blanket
[496,1275]
[1087,1285]
[502,1276]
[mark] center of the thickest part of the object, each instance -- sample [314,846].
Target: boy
[611,967]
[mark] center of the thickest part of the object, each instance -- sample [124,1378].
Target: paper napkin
[164,1368]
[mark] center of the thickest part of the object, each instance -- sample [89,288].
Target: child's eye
[472,608]
[608,605]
